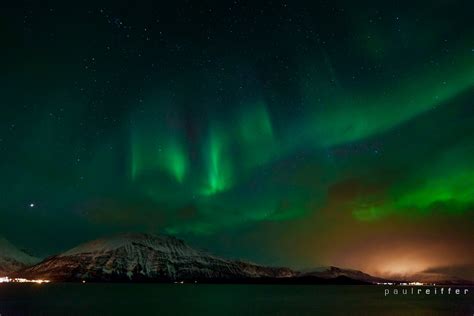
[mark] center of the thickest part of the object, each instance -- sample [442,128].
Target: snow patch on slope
[12,259]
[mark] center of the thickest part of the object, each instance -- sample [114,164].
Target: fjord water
[201,299]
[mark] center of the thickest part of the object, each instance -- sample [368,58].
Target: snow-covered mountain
[142,257]
[12,259]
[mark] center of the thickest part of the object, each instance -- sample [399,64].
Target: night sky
[286,133]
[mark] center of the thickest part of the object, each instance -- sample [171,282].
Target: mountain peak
[139,256]
[103,245]
[12,258]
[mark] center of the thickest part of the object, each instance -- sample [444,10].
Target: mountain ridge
[141,257]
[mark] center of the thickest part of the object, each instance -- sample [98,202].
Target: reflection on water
[200,299]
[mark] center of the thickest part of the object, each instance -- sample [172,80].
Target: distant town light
[21,280]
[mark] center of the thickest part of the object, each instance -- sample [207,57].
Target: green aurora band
[233,150]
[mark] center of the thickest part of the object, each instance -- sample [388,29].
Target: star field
[297,133]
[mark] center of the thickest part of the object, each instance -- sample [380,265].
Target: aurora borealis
[288,133]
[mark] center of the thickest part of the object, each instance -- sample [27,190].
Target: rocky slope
[335,272]
[12,259]
[145,257]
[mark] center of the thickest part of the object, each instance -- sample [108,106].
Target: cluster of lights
[21,280]
[405,283]
[415,283]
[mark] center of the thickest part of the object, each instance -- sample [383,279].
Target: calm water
[199,299]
